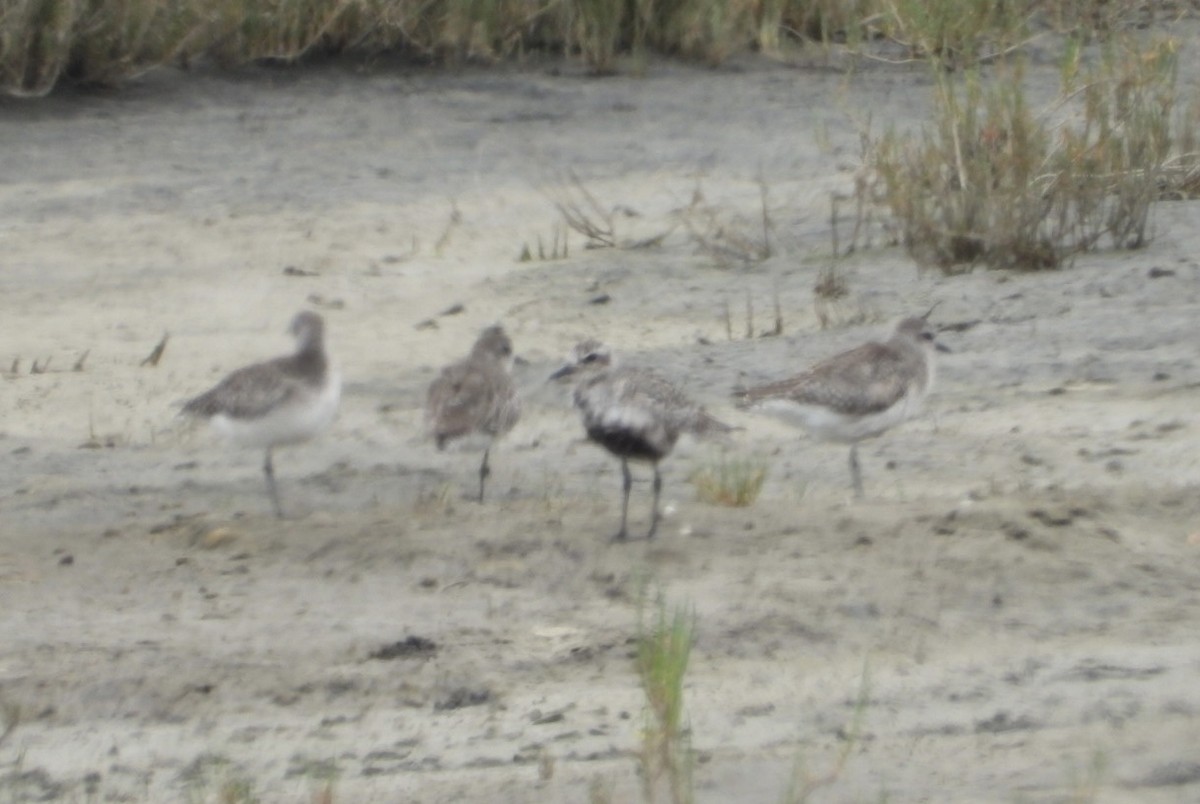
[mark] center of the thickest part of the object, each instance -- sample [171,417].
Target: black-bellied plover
[476,395]
[857,394]
[277,402]
[634,414]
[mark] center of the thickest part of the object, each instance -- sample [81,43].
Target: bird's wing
[864,380]
[465,397]
[248,393]
[640,399]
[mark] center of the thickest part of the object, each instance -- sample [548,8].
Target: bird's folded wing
[457,400]
[865,380]
[247,393]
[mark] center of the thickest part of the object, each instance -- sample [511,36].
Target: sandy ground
[1018,590]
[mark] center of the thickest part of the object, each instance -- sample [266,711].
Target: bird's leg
[627,484]
[654,511]
[269,472]
[855,472]
[484,471]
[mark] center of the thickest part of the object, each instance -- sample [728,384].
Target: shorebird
[634,414]
[476,395]
[857,394]
[278,402]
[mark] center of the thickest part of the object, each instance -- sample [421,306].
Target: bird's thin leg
[855,472]
[654,511]
[269,472]
[484,471]
[627,484]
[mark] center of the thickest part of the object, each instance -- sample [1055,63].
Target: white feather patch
[291,423]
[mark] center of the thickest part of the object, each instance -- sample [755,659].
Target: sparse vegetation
[105,41]
[993,182]
[452,223]
[597,30]
[869,198]
[664,649]
[582,212]
[829,294]
[10,714]
[952,32]
[804,783]
[437,499]
[600,790]
[214,779]
[323,794]
[1087,783]
[585,214]
[732,482]
[750,331]
[559,248]
[728,238]
[959,34]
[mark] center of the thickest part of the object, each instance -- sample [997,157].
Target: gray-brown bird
[278,402]
[857,394]
[476,395]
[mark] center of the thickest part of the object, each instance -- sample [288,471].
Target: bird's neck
[908,346]
[311,359]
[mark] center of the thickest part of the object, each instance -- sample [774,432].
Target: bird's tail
[705,424]
[201,407]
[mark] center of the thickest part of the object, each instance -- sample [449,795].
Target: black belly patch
[625,443]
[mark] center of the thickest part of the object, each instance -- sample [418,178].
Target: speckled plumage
[638,407]
[283,401]
[856,394]
[868,379]
[476,395]
[635,414]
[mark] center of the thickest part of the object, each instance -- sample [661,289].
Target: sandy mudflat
[1019,583]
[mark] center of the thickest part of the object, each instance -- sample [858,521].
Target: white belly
[826,424]
[298,420]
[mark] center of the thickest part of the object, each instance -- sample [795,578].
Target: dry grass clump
[10,713]
[559,247]
[731,482]
[709,31]
[582,212]
[283,30]
[1090,19]
[967,33]
[993,182]
[287,30]
[103,41]
[216,779]
[95,41]
[804,783]
[1180,180]
[727,237]
[954,32]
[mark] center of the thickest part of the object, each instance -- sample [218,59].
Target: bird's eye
[927,336]
[592,357]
